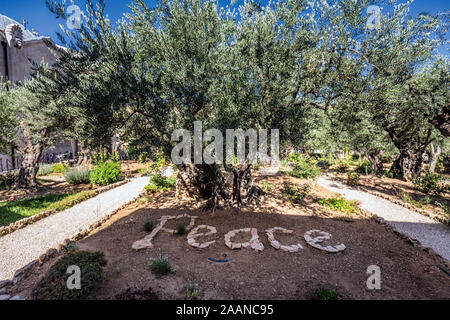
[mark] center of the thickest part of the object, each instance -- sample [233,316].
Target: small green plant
[193,292]
[6,181]
[54,285]
[431,183]
[23,208]
[444,207]
[323,293]
[160,183]
[295,196]
[340,204]
[78,176]
[71,246]
[425,200]
[149,226]
[59,168]
[158,163]
[353,179]
[45,170]
[117,269]
[181,229]
[106,173]
[160,265]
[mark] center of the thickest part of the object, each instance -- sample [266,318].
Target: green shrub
[45,170]
[160,183]
[267,186]
[295,196]
[106,173]
[23,208]
[323,293]
[353,178]
[78,176]
[303,168]
[340,204]
[161,265]
[342,168]
[54,285]
[431,183]
[59,168]
[103,156]
[389,174]
[193,292]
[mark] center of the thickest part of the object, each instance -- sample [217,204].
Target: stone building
[19,48]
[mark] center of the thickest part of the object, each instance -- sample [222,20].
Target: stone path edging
[33,219]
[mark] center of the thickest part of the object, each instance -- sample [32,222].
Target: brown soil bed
[407,272]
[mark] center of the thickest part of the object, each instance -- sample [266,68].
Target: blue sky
[45,23]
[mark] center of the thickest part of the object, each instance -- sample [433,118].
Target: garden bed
[403,193]
[18,214]
[407,271]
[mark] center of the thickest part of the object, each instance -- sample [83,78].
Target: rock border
[20,224]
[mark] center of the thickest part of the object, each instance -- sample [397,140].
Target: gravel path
[428,232]
[25,245]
